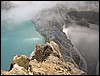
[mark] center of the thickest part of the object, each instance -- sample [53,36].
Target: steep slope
[49,23]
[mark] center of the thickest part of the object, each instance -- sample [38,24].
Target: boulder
[22,61]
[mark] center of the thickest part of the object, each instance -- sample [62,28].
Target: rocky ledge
[46,59]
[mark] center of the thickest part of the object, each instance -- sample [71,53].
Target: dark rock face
[50,24]
[82,23]
[86,16]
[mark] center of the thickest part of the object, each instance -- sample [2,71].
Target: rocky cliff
[46,59]
[49,23]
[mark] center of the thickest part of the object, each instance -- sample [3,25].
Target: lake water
[18,40]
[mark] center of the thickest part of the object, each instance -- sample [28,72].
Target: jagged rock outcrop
[43,51]
[16,70]
[51,64]
[49,23]
[20,59]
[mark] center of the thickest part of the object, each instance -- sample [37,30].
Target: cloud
[27,10]
[86,40]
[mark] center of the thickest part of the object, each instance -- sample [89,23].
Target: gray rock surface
[50,24]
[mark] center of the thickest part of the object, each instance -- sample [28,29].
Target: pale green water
[19,40]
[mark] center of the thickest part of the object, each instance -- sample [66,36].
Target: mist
[28,10]
[86,40]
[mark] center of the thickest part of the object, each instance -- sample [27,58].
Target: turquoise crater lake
[21,39]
